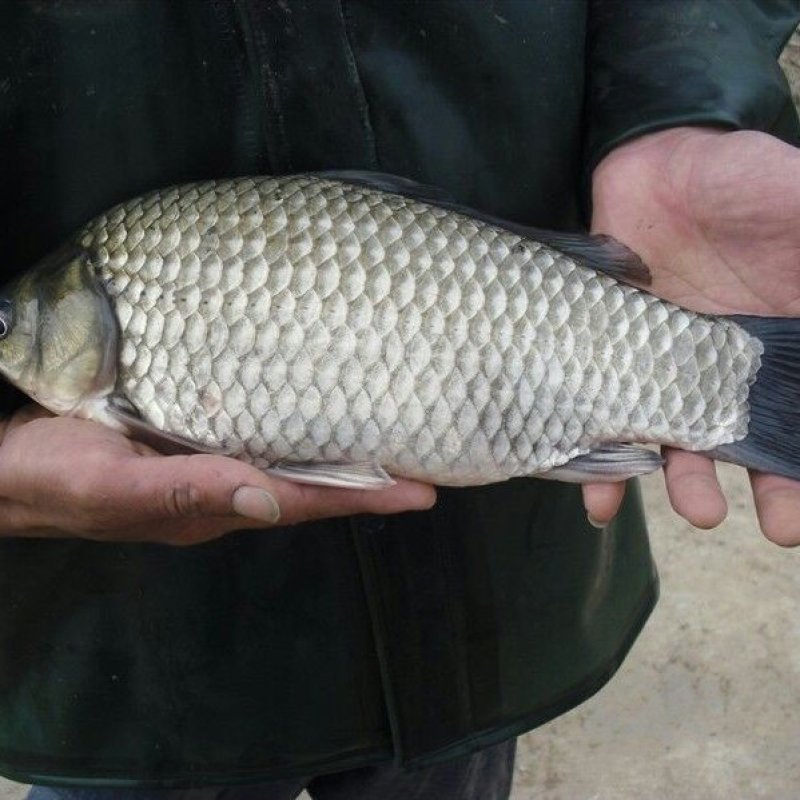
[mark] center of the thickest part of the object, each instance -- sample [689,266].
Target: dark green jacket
[347,642]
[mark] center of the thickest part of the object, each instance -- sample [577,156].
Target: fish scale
[306,319]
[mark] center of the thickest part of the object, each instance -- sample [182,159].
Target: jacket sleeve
[661,63]
[11,399]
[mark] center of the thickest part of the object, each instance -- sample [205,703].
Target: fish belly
[304,319]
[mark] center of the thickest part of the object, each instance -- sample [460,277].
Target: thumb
[207,486]
[196,486]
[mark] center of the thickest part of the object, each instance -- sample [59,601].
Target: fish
[346,328]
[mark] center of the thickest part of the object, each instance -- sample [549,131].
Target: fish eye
[6,318]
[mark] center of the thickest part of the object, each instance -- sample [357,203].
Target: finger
[777,502]
[26,414]
[297,503]
[693,488]
[115,494]
[301,502]
[203,486]
[602,501]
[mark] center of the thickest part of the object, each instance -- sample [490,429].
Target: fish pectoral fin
[125,416]
[606,464]
[362,475]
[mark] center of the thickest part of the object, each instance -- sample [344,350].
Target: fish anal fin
[608,463]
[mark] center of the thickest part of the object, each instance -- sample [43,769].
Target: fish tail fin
[772,443]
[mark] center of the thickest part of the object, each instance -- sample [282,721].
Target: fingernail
[256,503]
[595,523]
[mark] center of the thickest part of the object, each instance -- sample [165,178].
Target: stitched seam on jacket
[462,677]
[363,105]
[258,60]
[366,554]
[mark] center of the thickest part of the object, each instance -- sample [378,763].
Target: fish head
[58,333]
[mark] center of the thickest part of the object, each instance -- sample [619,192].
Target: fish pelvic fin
[772,443]
[355,475]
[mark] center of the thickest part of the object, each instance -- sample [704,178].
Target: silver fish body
[302,319]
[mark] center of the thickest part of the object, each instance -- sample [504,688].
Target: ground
[707,706]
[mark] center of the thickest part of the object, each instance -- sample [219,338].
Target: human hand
[62,477]
[715,216]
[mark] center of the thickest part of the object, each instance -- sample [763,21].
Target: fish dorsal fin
[391,184]
[598,252]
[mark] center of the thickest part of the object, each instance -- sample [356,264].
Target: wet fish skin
[304,319]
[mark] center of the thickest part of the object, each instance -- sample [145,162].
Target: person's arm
[71,477]
[713,213]
[665,63]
